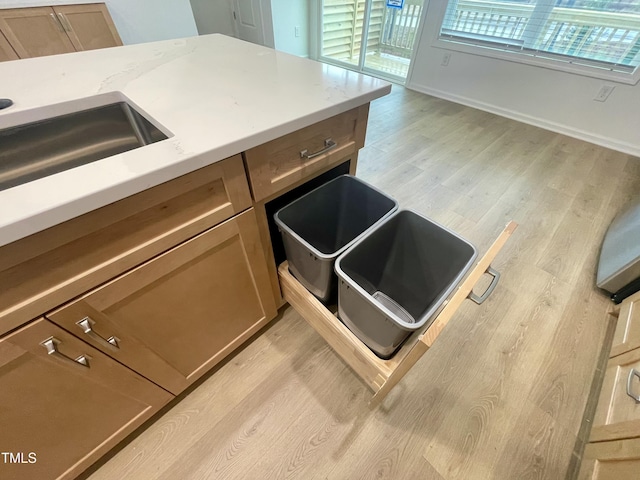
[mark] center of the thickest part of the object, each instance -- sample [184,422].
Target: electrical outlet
[297,31]
[445,59]
[604,93]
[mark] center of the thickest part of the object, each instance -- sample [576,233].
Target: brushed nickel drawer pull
[632,373]
[494,282]
[64,22]
[86,325]
[51,344]
[328,145]
[58,24]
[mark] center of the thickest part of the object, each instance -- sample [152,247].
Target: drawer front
[617,460]
[627,335]
[44,270]
[281,163]
[618,412]
[64,413]
[174,317]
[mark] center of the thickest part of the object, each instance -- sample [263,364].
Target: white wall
[288,14]
[551,99]
[213,16]
[137,21]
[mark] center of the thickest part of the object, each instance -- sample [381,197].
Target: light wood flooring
[502,393]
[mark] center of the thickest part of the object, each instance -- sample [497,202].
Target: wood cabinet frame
[6,50]
[59,29]
[113,397]
[614,447]
[48,268]
[141,350]
[104,257]
[71,18]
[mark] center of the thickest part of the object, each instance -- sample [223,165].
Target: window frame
[551,61]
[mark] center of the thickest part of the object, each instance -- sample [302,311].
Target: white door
[253,22]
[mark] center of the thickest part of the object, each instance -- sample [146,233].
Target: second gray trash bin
[322,224]
[393,280]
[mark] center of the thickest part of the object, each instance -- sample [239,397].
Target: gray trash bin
[393,280]
[320,225]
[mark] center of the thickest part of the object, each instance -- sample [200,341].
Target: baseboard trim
[535,121]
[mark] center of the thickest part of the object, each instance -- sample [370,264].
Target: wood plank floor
[502,393]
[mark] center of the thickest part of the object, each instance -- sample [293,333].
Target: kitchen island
[126,279]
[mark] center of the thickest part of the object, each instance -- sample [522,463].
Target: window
[593,35]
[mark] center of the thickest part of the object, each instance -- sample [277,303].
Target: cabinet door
[618,412]
[46,269]
[627,335]
[62,412]
[6,51]
[89,26]
[174,317]
[617,460]
[34,32]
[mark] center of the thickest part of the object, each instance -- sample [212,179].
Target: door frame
[315,43]
[266,21]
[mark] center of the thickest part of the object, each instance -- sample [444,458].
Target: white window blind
[602,34]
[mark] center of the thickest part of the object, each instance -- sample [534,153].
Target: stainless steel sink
[34,150]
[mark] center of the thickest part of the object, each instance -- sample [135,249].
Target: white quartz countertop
[216,95]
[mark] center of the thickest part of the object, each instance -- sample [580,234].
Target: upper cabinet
[6,51]
[40,31]
[89,26]
[34,32]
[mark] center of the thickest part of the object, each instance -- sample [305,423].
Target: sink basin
[30,151]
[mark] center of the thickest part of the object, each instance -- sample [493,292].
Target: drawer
[281,163]
[379,374]
[617,460]
[627,335]
[46,269]
[618,412]
[66,405]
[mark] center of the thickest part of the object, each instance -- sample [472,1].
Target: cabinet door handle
[632,373]
[86,324]
[58,24]
[64,22]
[51,344]
[328,145]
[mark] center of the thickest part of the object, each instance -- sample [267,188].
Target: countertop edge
[44,219]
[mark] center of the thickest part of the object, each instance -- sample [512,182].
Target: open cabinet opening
[276,204]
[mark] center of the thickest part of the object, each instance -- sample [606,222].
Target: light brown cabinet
[40,31]
[614,449]
[618,411]
[64,412]
[34,32]
[89,26]
[43,271]
[277,165]
[154,290]
[176,316]
[6,51]
[627,334]
[618,460]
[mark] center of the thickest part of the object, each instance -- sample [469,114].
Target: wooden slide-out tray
[381,375]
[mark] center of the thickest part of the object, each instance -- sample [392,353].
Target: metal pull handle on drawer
[86,324]
[51,344]
[494,282]
[58,24]
[328,145]
[632,373]
[64,22]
